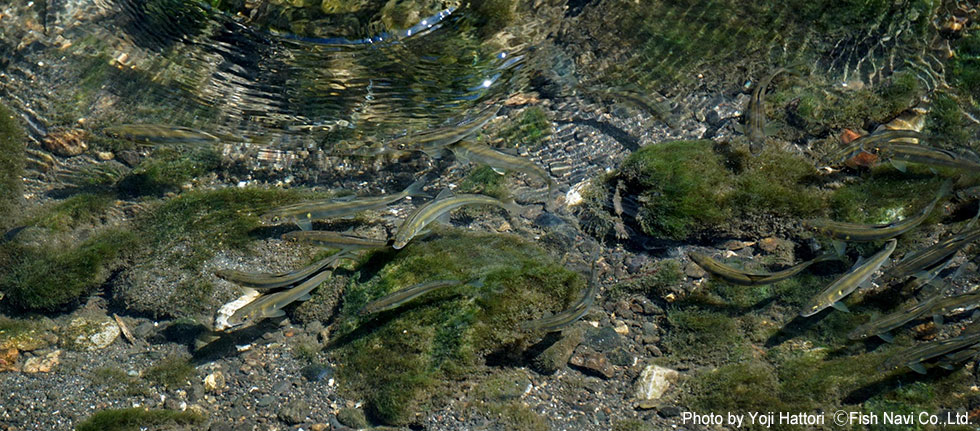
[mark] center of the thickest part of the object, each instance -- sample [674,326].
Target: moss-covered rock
[49,275]
[681,187]
[171,372]
[396,359]
[138,419]
[166,170]
[11,162]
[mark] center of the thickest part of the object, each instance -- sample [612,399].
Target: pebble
[214,382]
[653,382]
[294,412]
[42,364]
[592,363]
[8,359]
[603,339]
[621,328]
[93,334]
[555,356]
[694,271]
[66,143]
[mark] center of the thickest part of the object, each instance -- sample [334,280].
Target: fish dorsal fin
[444,218]
[900,165]
[858,262]
[445,194]
[840,247]
[304,223]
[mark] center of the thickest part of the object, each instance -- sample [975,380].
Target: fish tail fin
[416,189]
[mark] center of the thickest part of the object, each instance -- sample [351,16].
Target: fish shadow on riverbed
[794,328]
[226,344]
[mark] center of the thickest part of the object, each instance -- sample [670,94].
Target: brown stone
[8,359]
[593,363]
[42,364]
[66,143]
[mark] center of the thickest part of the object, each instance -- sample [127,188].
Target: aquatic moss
[703,336]
[749,386]
[883,196]
[207,220]
[50,276]
[631,425]
[118,383]
[653,280]
[499,398]
[170,372]
[945,121]
[486,181]
[166,170]
[77,210]
[530,129]
[965,66]
[135,419]
[396,358]
[11,161]
[778,182]
[682,184]
[492,16]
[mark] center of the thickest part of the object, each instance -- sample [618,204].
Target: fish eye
[275,219]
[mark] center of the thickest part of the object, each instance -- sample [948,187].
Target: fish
[467,151]
[399,297]
[849,282]
[271,304]
[438,209]
[882,325]
[335,240]
[955,304]
[914,356]
[866,144]
[916,262]
[433,141]
[755,115]
[744,278]
[863,233]
[659,109]
[303,214]
[901,154]
[160,134]
[573,313]
[263,281]
[951,360]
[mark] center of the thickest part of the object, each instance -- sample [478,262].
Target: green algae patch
[884,196]
[135,419]
[170,372]
[486,181]
[686,186]
[682,184]
[73,212]
[397,359]
[49,276]
[498,397]
[530,129]
[207,220]
[167,169]
[11,161]
[946,121]
[704,336]
[965,65]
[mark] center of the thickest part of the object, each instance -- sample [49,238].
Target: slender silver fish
[334,240]
[271,304]
[467,151]
[303,214]
[849,282]
[399,297]
[755,115]
[264,281]
[439,208]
